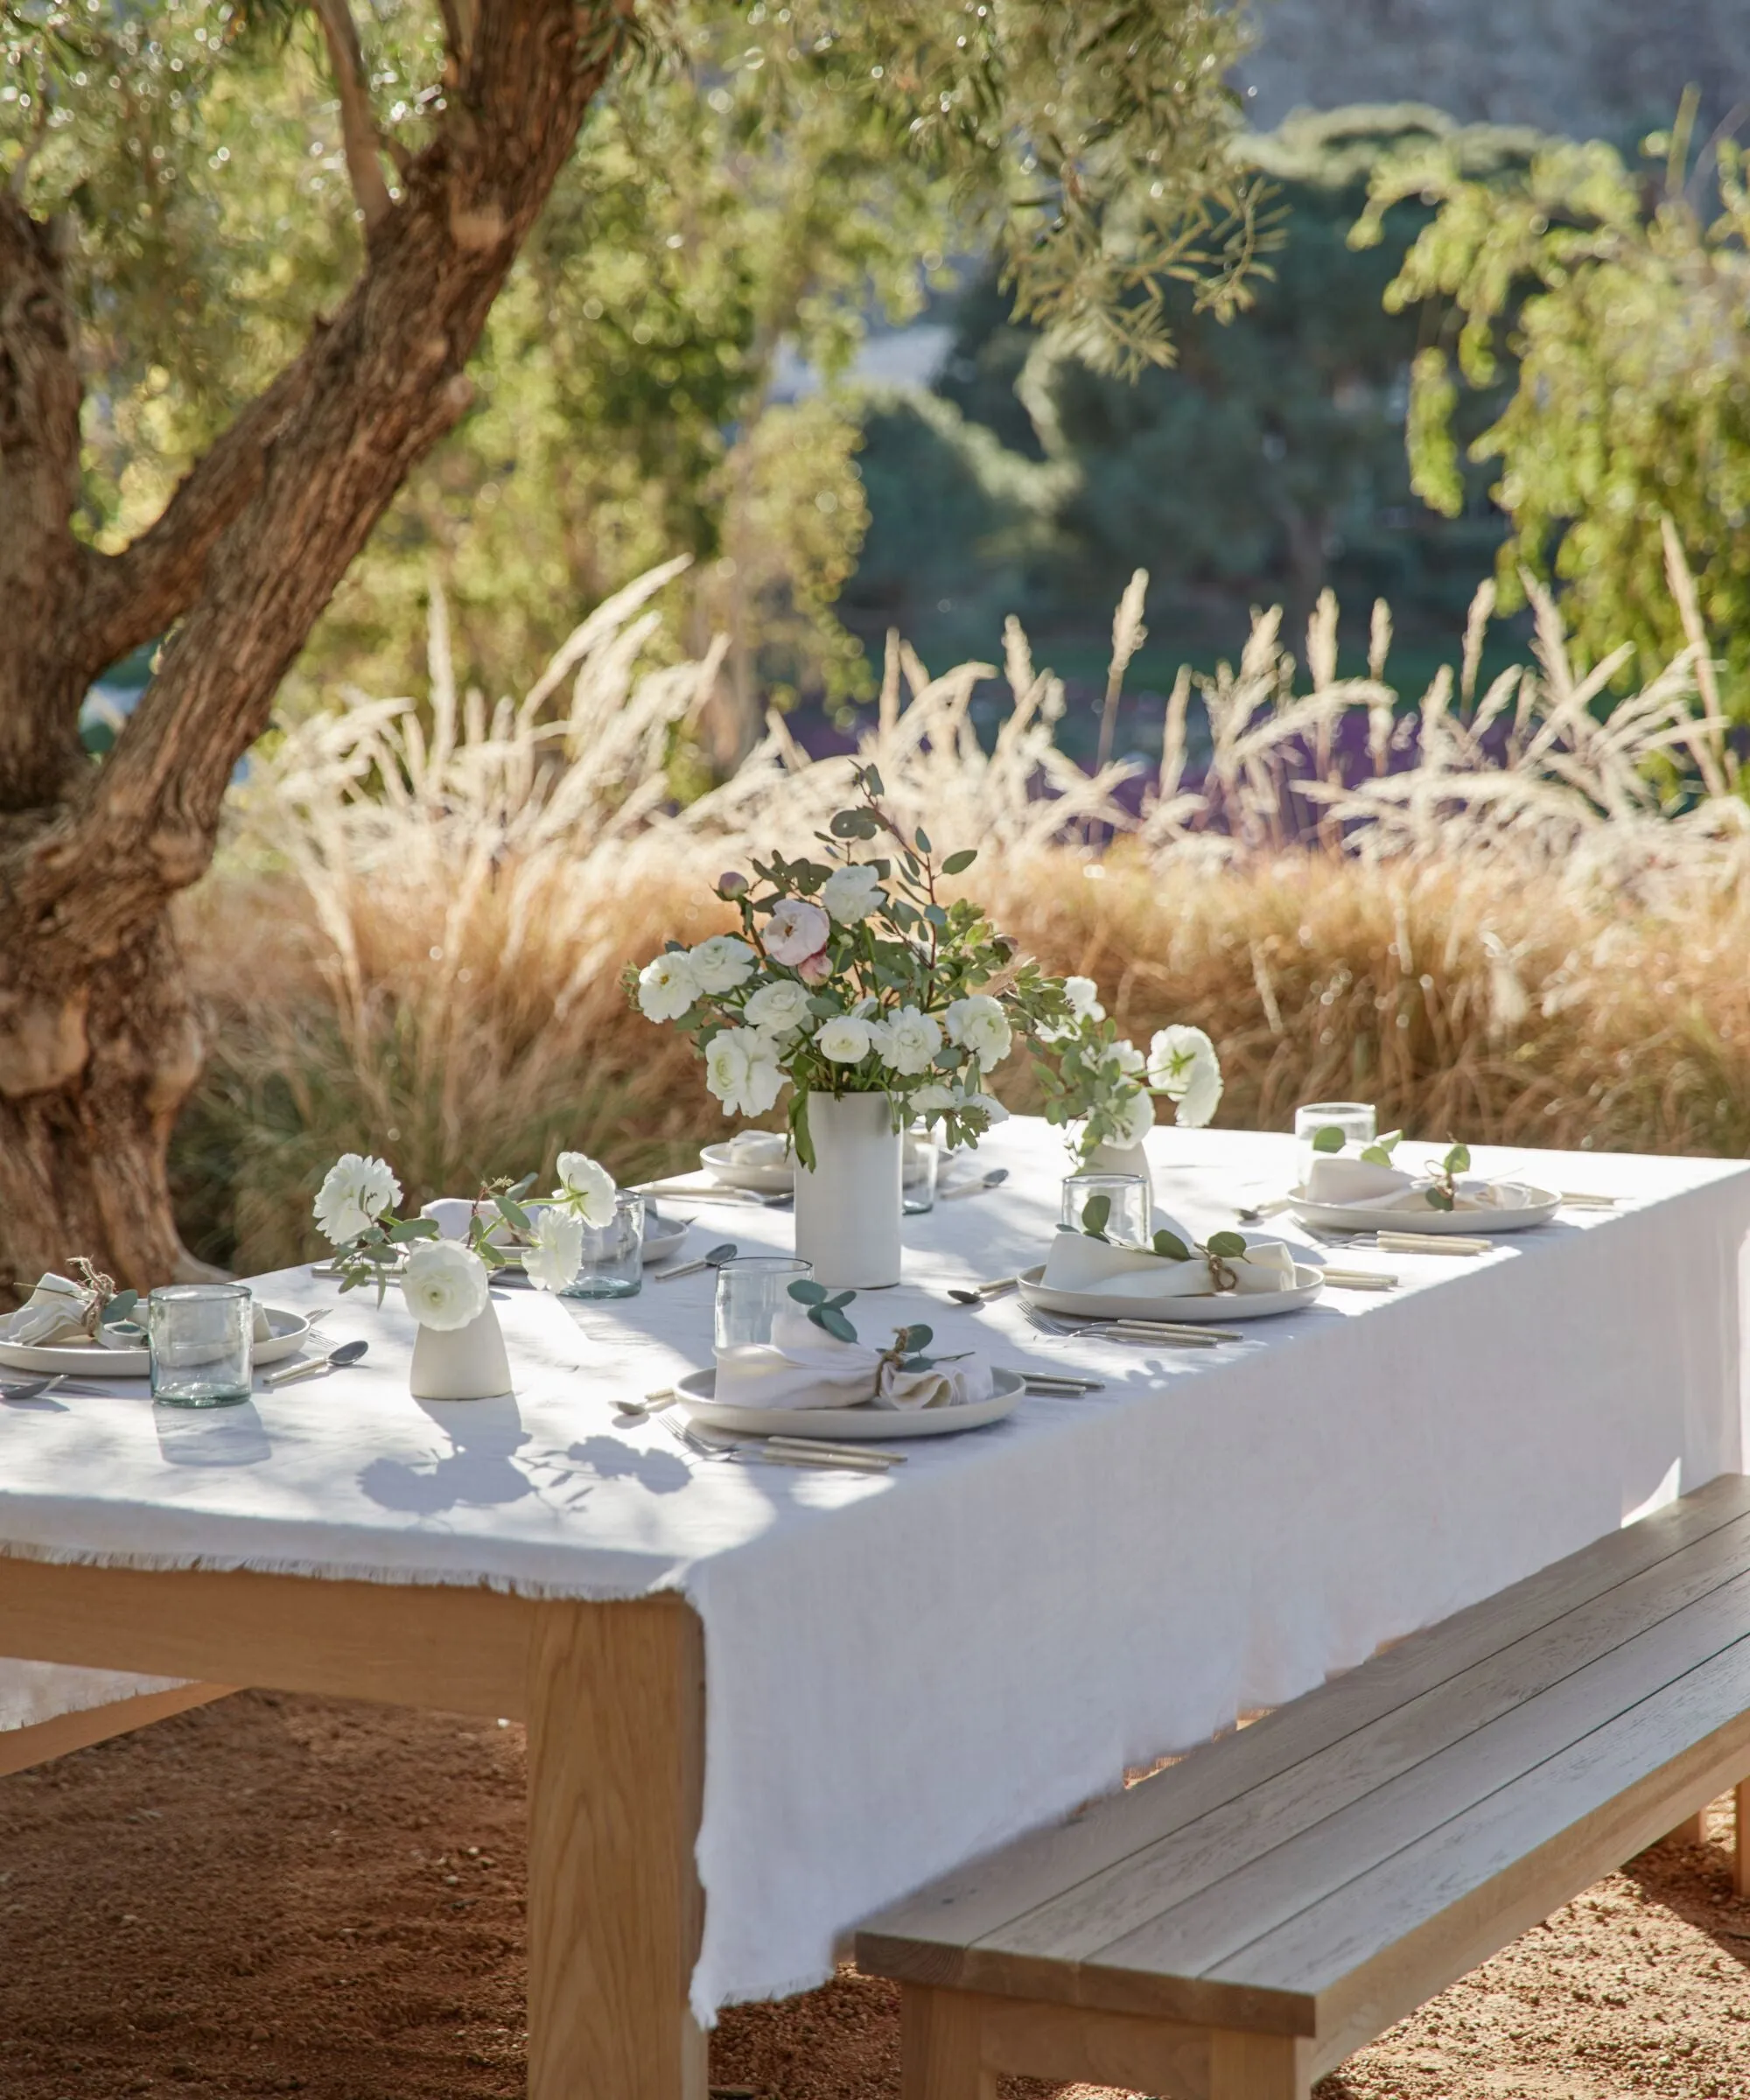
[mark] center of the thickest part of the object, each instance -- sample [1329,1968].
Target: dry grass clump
[1525,928]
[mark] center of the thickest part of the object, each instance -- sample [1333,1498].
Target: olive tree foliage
[1616,300]
[248,256]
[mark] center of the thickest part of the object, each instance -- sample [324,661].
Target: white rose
[979,1025]
[909,1041]
[553,1261]
[778,1007]
[933,1099]
[1083,994]
[355,1193]
[590,1186]
[667,987]
[721,964]
[845,1040]
[850,893]
[1133,1122]
[445,1284]
[1182,1064]
[742,1070]
[1123,1057]
[797,931]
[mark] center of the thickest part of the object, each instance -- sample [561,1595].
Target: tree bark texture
[99,1044]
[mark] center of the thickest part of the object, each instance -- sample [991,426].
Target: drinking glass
[917,1175]
[752,1290]
[201,1337]
[1355,1119]
[1127,1220]
[613,1254]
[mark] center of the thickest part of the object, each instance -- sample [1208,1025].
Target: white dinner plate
[663,1236]
[1367,1217]
[739,1174]
[1214,1308]
[863,1423]
[87,1359]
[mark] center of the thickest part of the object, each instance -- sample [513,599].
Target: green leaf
[120,1307]
[513,1213]
[919,1337]
[521,1187]
[1329,1139]
[871,780]
[1458,1161]
[834,1321]
[1170,1244]
[806,1291]
[958,863]
[1440,1200]
[1096,1213]
[1230,1246]
[411,1228]
[1377,1155]
[843,1298]
[846,823]
[920,839]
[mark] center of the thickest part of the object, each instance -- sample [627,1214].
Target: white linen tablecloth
[904,1671]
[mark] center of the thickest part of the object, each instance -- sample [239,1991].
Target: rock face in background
[1590,68]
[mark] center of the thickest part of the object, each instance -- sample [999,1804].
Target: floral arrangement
[855,976]
[445,1283]
[1097,1080]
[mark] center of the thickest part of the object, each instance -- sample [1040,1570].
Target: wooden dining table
[903,1670]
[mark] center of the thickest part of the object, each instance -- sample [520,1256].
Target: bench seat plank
[1354,1850]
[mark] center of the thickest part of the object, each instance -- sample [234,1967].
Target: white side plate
[88,1361]
[1212,1308]
[863,1423]
[733,1173]
[663,1236]
[1365,1217]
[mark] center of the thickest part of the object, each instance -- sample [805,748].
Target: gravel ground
[280,1896]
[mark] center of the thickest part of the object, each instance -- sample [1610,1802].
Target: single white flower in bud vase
[355,1193]
[1182,1064]
[586,1188]
[444,1286]
[557,1254]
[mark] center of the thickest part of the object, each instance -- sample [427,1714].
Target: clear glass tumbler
[752,1290]
[1355,1119]
[922,1159]
[202,1341]
[1127,1206]
[613,1254]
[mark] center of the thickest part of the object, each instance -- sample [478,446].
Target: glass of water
[201,1337]
[752,1290]
[1355,1119]
[1127,1206]
[918,1174]
[613,1254]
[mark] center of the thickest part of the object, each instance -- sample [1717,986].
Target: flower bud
[732,885]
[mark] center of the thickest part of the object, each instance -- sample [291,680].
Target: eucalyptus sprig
[1220,1248]
[1443,1192]
[105,1306]
[826,1309]
[1330,1138]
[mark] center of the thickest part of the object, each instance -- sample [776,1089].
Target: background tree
[1094,138]
[1616,302]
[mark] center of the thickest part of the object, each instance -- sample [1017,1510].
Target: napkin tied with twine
[803,1366]
[1370,1187]
[1077,1263]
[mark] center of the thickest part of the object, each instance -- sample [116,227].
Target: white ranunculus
[909,1041]
[742,1070]
[667,987]
[778,1007]
[721,964]
[588,1186]
[1132,1122]
[845,1040]
[445,1284]
[979,1025]
[355,1193]
[986,1105]
[1123,1057]
[850,893]
[932,1099]
[553,1261]
[1182,1064]
[796,931]
[1083,994]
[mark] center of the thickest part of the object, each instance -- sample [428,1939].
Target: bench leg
[1740,1840]
[942,2047]
[1690,1831]
[1257,2067]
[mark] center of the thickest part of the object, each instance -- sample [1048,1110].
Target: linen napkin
[1331,1178]
[803,1366]
[54,1313]
[760,1148]
[1077,1263]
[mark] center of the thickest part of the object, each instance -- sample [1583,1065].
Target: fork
[1167,1334]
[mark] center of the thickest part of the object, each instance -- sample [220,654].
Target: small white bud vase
[1124,1159]
[461,1363]
[848,1206]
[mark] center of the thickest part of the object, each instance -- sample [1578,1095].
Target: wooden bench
[1235,1927]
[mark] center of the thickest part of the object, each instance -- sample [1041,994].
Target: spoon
[996,1176]
[336,1359]
[713,1257]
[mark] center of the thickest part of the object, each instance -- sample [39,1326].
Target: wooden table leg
[616,1774]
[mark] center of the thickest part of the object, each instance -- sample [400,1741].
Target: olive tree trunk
[99,1042]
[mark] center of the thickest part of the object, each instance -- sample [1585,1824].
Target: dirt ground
[279,1895]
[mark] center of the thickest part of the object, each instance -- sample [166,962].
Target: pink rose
[815,970]
[796,933]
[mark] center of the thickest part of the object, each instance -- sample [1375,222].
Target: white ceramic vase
[461,1363]
[848,1205]
[1124,1159]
